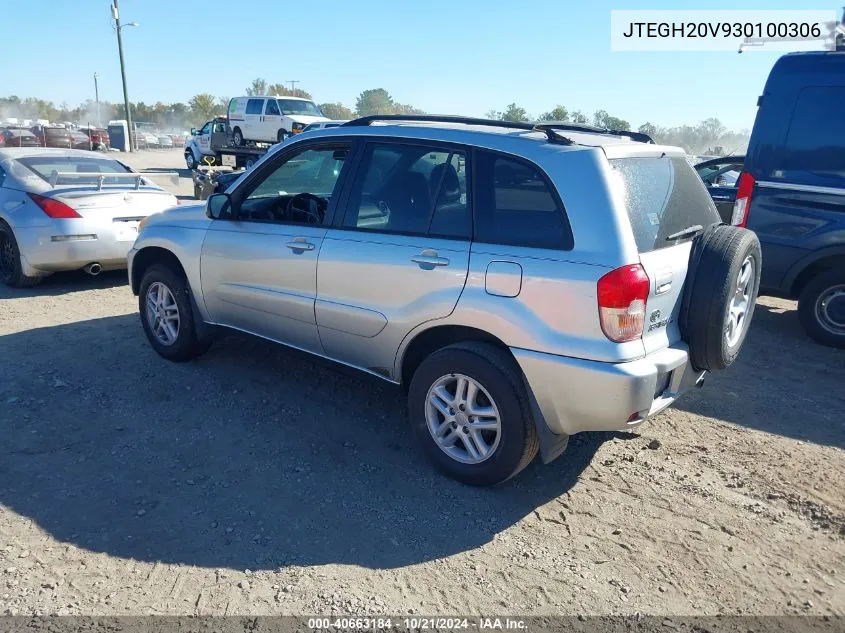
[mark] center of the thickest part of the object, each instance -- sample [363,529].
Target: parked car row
[54,136]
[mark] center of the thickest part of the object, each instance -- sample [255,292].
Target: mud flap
[205,332]
[551,444]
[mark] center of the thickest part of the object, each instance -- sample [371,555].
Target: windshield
[44,166]
[295,106]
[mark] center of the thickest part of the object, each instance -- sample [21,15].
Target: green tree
[514,113]
[337,111]
[257,87]
[374,101]
[648,128]
[558,113]
[602,119]
[401,108]
[203,107]
[493,114]
[578,117]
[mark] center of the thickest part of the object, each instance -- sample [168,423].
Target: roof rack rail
[438,118]
[575,127]
[550,133]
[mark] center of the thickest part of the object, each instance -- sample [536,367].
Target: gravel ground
[259,481]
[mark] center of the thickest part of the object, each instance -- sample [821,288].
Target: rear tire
[722,296]
[11,269]
[821,308]
[177,341]
[498,388]
[237,137]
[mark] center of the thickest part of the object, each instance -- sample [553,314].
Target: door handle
[299,244]
[429,257]
[663,282]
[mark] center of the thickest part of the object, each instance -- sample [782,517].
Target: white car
[64,209]
[270,119]
[165,141]
[322,125]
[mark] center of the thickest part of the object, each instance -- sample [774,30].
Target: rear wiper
[690,231]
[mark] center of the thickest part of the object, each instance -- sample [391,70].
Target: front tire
[468,408]
[821,308]
[11,269]
[190,159]
[164,303]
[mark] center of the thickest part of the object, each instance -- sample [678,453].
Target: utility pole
[292,83]
[97,97]
[115,11]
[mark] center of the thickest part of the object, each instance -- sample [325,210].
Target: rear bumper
[72,244]
[577,395]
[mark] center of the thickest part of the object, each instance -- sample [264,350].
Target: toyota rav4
[520,282]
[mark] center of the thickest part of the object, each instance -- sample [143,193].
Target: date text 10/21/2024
[417,623]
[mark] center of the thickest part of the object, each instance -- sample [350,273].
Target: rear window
[815,143]
[662,196]
[44,166]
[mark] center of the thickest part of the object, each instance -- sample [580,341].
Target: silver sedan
[68,210]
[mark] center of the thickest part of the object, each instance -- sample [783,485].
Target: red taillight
[622,296]
[742,204]
[55,209]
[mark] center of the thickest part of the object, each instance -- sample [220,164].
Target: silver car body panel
[359,298]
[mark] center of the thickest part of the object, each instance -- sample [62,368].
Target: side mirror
[218,205]
[193,131]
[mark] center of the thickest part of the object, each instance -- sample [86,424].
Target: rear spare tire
[724,279]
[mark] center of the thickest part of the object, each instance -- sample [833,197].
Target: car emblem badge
[655,316]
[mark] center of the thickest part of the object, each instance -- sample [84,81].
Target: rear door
[663,196]
[400,255]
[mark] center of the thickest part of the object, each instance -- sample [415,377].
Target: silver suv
[521,283]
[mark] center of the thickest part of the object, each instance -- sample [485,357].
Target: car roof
[472,134]
[526,143]
[812,68]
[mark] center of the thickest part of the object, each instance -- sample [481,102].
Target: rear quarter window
[662,196]
[516,205]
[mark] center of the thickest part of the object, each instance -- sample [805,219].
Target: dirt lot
[255,480]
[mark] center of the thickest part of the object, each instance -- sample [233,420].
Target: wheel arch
[802,272]
[427,341]
[148,256]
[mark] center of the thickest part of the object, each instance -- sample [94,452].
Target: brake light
[742,205]
[622,296]
[55,209]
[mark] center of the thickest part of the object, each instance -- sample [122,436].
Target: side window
[206,129]
[298,189]
[516,207]
[411,189]
[272,107]
[254,106]
[816,139]
[2,176]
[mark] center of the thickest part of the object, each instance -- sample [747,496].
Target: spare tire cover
[723,282]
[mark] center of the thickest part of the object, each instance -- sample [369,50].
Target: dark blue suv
[792,189]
